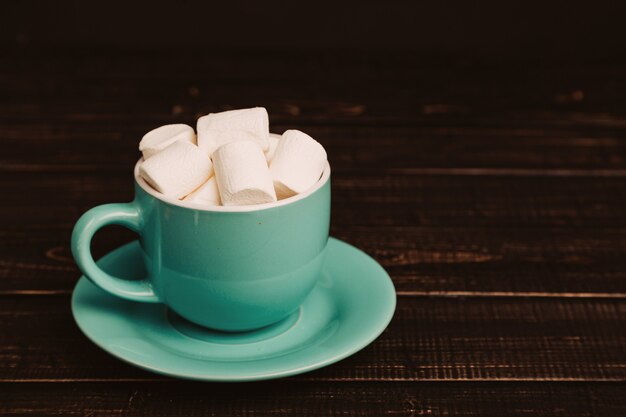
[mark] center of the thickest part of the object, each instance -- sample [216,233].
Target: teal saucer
[351,305]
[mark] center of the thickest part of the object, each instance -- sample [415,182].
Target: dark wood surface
[494,193]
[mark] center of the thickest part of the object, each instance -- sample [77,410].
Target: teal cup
[227,268]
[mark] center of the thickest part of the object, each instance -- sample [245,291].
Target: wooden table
[494,193]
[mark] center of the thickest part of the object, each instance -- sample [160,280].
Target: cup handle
[124,214]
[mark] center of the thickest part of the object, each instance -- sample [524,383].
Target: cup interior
[253,207]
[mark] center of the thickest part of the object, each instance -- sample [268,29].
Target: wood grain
[380,200]
[70,147]
[433,261]
[435,234]
[492,192]
[480,339]
[127,88]
[289,398]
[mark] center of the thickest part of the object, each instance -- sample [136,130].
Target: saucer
[351,305]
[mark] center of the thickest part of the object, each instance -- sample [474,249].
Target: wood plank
[379,200]
[434,234]
[473,261]
[434,261]
[335,86]
[281,398]
[428,339]
[461,180]
[72,148]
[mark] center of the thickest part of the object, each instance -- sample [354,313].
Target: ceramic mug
[232,268]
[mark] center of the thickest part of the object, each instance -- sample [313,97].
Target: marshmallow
[273,141]
[217,129]
[160,138]
[297,163]
[207,194]
[177,170]
[242,174]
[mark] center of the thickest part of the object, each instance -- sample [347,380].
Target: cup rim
[229,209]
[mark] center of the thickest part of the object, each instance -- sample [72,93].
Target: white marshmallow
[242,174]
[160,138]
[207,194]
[273,141]
[177,170]
[217,129]
[297,164]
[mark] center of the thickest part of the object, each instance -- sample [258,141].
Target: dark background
[478,153]
[488,29]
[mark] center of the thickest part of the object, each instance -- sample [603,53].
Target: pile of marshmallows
[235,160]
